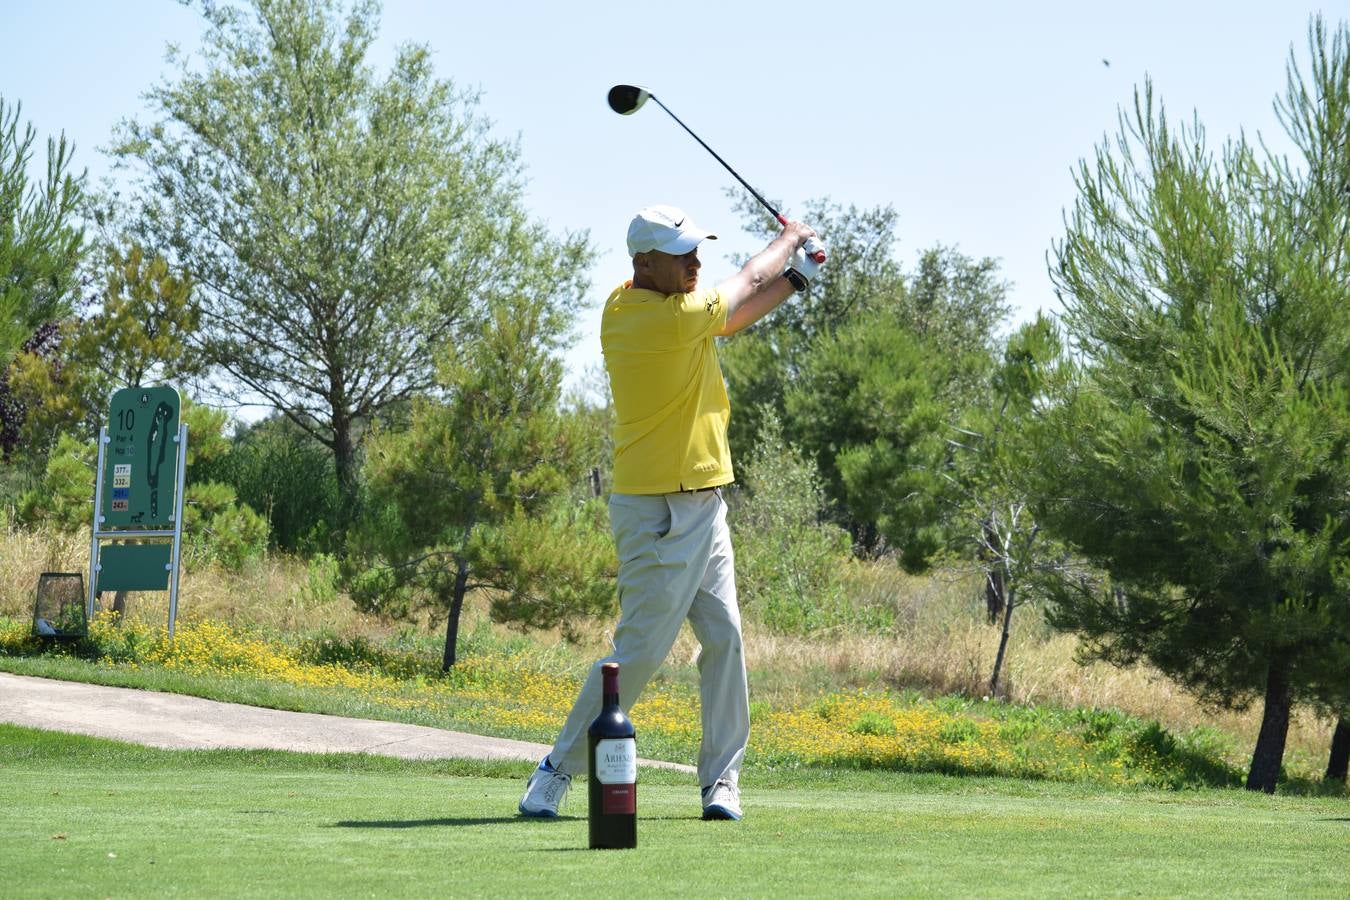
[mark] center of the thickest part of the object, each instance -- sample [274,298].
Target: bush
[789,562]
[217,528]
[16,638]
[359,654]
[1197,758]
[322,576]
[63,498]
[289,478]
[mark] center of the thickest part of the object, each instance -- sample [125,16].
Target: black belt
[700,490]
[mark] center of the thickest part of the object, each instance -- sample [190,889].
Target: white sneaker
[722,801]
[544,791]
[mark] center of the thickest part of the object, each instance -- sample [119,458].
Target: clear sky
[967,117]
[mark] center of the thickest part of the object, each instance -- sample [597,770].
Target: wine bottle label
[616,761]
[618,799]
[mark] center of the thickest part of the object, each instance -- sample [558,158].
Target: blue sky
[967,117]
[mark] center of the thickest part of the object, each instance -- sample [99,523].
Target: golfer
[667,512]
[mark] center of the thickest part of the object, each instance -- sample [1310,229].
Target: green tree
[62,499]
[41,241]
[951,301]
[996,445]
[591,407]
[872,408]
[548,566]
[863,273]
[340,227]
[493,455]
[1200,459]
[217,526]
[58,502]
[286,475]
[41,248]
[958,303]
[139,334]
[879,447]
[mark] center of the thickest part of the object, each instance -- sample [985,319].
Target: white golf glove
[802,267]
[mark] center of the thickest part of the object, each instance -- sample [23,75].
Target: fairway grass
[86,817]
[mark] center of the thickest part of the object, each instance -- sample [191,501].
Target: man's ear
[642,268]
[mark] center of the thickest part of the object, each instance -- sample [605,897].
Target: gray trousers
[675,563]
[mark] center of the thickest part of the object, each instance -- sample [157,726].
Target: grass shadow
[445,823]
[572,849]
[484,820]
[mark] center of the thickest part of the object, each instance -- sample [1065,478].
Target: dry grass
[273,592]
[940,643]
[943,645]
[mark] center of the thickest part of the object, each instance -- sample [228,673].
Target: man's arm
[754,291]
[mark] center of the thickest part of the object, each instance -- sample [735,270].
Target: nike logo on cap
[679,223]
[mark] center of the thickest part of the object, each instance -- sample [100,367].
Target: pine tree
[41,241]
[1201,458]
[468,495]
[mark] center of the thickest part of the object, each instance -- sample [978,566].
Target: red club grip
[813,249]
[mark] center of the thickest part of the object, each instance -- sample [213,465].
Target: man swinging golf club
[667,511]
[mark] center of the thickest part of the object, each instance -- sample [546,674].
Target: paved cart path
[180,722]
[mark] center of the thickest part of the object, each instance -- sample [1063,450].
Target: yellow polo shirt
[670,403]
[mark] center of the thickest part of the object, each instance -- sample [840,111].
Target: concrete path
[179,722]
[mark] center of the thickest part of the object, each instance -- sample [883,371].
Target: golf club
[626,99]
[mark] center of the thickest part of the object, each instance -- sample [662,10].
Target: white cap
[664,228]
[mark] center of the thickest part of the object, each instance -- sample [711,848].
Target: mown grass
[97,818]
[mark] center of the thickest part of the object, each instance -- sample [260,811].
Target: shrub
[320,588]
[216,528]
[789,562]
[64,496]
[288,477]
[359,654]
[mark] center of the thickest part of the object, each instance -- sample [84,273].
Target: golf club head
[626,99]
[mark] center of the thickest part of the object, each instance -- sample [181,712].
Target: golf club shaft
[626,99]
[754,193]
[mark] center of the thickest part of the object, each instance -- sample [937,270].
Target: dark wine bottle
[612,770]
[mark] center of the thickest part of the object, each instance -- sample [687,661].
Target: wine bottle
[612,770]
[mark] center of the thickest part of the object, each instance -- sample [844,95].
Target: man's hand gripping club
[805,264]
[764,281]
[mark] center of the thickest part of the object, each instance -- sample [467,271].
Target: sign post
[138,495]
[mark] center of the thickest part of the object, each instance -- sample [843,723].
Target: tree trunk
[456,605]
[993,593]
[994,582]
[1268,756]
[119,604]
[344,462]
[1002,645]
[1339,760]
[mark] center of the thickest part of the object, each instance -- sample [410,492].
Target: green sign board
[141,464]
[134,567]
